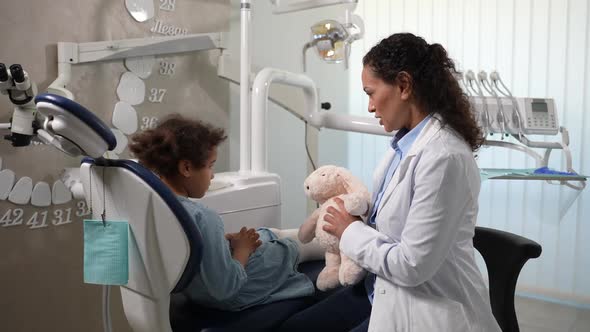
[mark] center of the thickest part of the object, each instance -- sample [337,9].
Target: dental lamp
[332,39]
[15,83]
[328,38]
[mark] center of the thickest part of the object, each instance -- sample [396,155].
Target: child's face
[198,183]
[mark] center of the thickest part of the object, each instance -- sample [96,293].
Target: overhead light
[329,38]
[332,39]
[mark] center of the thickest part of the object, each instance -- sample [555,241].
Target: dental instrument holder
[526,145]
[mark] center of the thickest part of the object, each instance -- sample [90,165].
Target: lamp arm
[304,52]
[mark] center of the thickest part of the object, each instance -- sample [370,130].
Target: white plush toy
[323,185]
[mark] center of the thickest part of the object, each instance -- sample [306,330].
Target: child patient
[238,270]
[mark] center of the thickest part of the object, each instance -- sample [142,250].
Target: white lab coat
[422,253]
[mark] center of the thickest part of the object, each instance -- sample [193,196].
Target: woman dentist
[418,244]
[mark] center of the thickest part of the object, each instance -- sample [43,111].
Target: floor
[540,316]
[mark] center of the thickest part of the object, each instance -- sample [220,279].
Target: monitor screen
[539,106]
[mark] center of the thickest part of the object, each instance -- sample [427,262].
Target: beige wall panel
[42,248]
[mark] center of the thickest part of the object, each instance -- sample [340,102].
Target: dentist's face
[387,101]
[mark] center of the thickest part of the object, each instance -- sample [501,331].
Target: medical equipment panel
[531,116]
[539,116]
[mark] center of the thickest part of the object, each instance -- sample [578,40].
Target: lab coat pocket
[433,313]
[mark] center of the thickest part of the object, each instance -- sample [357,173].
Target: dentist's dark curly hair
[433,80]
[175,139]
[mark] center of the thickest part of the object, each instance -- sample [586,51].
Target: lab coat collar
[404,139]
[432,127]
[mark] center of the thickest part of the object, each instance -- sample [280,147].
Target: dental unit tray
[526,145]
[527,174]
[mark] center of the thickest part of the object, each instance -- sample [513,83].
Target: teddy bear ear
[346,178]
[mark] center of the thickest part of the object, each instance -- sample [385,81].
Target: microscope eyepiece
[18,75]
[3,73]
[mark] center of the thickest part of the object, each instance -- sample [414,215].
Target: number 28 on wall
[168,5]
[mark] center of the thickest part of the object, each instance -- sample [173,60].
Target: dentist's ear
[405,84]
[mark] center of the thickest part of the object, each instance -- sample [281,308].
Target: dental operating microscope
[21,90]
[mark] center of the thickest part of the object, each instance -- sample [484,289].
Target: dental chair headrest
[187,223]
[72,128]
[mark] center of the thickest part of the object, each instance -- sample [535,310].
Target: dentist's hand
[338,219]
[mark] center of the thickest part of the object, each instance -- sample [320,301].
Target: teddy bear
[323,185]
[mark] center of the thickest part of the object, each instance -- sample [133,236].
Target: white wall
[540,48]
[278,42]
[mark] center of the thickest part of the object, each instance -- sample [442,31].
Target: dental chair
[164,246]
[164,254]
[504,254]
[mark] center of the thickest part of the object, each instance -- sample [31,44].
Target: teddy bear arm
[307,230]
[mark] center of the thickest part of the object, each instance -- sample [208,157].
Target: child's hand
[244,243]
[231,236]
[246,239]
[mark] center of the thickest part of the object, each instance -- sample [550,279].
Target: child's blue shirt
[223,283]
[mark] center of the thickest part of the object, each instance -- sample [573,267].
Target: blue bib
[106,260]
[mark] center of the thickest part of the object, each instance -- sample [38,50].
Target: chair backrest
[164,246]
[504,254]
[72,128]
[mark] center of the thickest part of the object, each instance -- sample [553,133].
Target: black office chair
[504,254]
